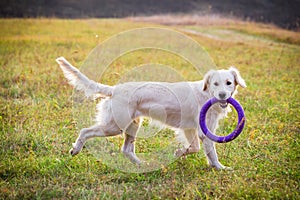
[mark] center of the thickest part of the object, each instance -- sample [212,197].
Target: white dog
[175,104]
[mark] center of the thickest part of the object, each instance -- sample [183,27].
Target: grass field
[38,127]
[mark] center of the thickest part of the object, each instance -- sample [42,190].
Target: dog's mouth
[223,104]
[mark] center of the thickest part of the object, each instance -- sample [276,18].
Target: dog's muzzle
[223,104]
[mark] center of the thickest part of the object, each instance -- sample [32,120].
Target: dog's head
[222,84]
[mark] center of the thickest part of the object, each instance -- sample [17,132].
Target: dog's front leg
[211,153]
[208,145]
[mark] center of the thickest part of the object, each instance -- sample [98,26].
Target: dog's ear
[207,79]
[237,77]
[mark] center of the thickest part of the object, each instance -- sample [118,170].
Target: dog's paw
[183,152]
[132,157]
[221,167]
[178,153]
[73,152]
[227,168]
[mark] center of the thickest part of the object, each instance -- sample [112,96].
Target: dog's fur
[175,104]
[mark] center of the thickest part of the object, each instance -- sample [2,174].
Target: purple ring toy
[235,133]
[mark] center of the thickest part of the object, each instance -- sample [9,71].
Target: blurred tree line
[284,13]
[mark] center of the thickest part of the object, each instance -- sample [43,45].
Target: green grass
[38,127]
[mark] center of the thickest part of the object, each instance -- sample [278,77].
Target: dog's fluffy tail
[81,82]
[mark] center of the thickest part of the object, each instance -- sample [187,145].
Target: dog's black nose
[222,95]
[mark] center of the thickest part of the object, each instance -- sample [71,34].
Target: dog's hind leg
[97,130]
[192,143]
[128,148]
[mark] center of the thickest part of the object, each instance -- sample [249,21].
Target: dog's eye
[216,83]
[228,83]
